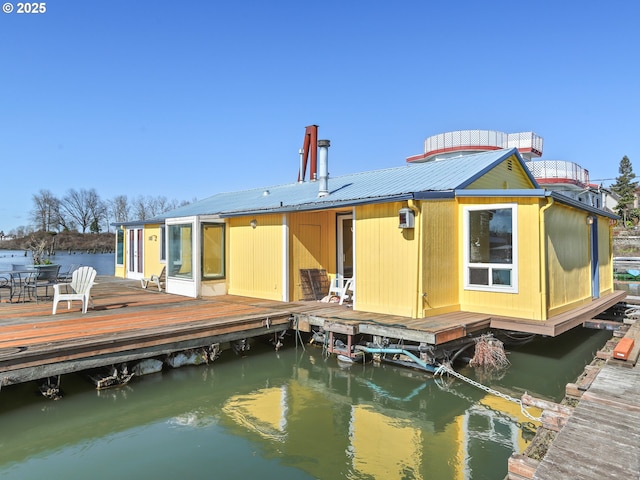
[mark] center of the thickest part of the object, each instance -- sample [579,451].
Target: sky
[189,99]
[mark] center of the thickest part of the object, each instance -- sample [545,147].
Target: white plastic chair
[340,286]
[157,279]
[81,282]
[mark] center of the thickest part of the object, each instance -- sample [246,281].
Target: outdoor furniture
[157,279]
[44,276]
[66,275]
[6,283]
[341,286]
[17,277]
[81,282]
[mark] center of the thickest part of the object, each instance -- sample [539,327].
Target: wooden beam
[37,372]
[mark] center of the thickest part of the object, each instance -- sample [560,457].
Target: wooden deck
[129,323]
[601,438]
[563,322]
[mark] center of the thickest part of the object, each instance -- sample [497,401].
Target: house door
[345,245]
[595,264]
[134,253]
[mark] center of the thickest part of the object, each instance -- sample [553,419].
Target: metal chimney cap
[324,143]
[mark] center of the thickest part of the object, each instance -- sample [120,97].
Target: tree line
[84,211]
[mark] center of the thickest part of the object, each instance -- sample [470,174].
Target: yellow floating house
[473,233]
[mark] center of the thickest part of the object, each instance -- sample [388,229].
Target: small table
[17,280]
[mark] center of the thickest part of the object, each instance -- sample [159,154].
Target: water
[291,414]
[104,263]
[631,288]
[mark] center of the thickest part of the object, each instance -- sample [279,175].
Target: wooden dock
[598,439]
[130,323]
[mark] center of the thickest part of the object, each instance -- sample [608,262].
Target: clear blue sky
[188,99]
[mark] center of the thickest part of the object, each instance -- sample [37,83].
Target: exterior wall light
[153,238]
[253,223]
[590,219]
[406,218]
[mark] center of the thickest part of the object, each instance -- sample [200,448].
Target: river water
[292,414]
[104,263]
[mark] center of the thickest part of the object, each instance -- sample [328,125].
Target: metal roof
[443,177]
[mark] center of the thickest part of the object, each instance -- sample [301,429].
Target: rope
[447,369]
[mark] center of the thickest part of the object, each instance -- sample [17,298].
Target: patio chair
[65,276]
[18,277]
[81,282]
[6,282]
[44,276]
[341,286]
[159,280]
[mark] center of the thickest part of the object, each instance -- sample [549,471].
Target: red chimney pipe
[310,145]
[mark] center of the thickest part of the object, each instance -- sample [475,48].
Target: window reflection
[180,263]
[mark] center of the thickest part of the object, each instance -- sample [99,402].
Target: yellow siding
[119,271]
[526,303]
[151,249]
[569,259]
[605,255]
[255,257]
[507,175]
[386,261]
[441,271]
[312,244]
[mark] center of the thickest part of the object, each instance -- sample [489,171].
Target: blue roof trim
[560,198]
[507,154]
[539,192]
[434,195]
[516,192]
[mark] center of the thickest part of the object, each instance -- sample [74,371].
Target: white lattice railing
[525,141]
[558,169]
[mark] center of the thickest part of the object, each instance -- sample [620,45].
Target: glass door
[135,242]
[345,245]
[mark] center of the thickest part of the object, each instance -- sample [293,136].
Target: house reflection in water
[348,423]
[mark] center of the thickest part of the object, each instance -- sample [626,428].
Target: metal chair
[66,275]
[6,283]
[45,276]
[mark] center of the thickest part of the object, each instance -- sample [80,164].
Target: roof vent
[323,167]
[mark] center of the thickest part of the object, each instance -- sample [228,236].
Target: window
[163,243]
[491,248]
[213,251]
[120,247]
[180,264]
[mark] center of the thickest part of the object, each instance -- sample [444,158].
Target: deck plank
[602,437]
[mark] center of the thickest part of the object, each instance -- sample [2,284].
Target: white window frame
[513,266]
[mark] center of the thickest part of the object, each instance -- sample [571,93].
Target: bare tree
[144,208]
[81,206]
[46,210]
[140,207]
[119,209]
[99,214]
[173,204]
